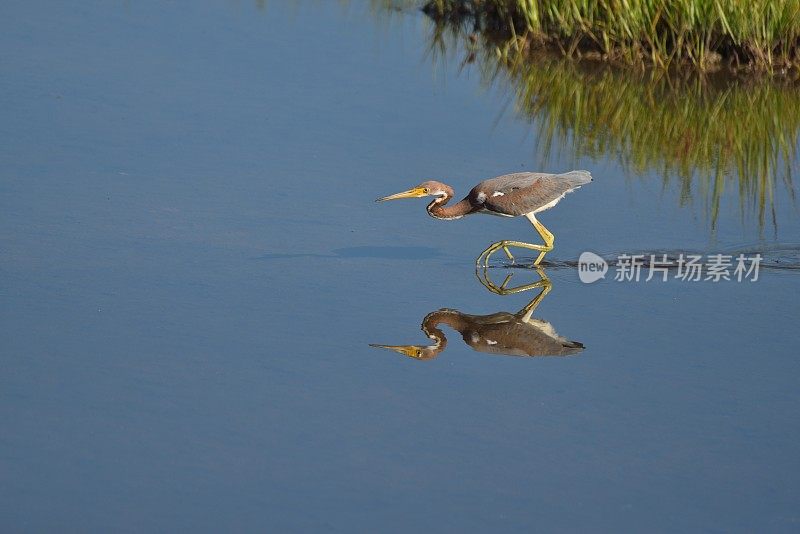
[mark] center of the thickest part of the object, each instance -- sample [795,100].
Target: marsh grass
[758,35]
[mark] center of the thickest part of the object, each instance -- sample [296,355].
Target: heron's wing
[526,192]
[516,338]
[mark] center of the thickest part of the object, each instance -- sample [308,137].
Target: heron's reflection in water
[513,334]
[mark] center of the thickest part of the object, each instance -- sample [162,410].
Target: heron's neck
[438,210]
[430,324]
[452,318]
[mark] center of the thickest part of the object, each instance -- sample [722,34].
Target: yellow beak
[412,351]
[411,193]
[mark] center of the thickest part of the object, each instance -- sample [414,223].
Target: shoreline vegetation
[754,36]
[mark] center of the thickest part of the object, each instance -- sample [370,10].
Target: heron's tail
[576,179]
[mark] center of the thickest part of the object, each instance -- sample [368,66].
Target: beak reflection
[418,352]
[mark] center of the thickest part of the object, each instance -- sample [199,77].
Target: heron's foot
[508,253]
[483,259]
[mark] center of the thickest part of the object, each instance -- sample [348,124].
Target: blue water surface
[192,268]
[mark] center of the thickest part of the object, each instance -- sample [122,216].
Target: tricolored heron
[510,195]
[514,334]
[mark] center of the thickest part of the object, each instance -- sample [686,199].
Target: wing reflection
[512,334]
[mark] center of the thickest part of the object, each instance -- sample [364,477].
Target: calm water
[193,267]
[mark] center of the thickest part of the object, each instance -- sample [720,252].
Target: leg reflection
[482,273]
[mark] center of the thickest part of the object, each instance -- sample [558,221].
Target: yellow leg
[483,259]
[546,235]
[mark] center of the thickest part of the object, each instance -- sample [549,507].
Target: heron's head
[418,352]
[425,189]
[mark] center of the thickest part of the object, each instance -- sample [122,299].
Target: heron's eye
[426,190]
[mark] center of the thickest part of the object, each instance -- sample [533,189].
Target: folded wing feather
[526,192]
